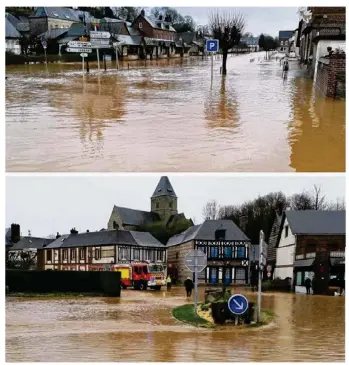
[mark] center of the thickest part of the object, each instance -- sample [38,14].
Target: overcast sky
[258,20]
[46,205]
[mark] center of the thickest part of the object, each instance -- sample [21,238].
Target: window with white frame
[240,274]
[123,253]
[136,254]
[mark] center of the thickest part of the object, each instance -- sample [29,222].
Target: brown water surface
[167,117]
[139,327]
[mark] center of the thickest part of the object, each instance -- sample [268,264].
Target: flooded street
[166,117]
[139,327]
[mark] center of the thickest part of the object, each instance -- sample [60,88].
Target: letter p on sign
[212,45]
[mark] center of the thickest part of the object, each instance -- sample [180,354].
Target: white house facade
[285,253]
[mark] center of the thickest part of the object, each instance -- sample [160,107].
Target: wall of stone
[175,257]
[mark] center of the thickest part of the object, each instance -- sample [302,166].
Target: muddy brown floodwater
[166,117]
[139,327]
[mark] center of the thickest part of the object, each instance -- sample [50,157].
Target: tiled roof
[285,34]
[206,231]
[135,217]
[106,238]
[56,13]
[13,20]
[164,188]
[316,222]
[129,40]
[31,242]
[10,30]
[53,33]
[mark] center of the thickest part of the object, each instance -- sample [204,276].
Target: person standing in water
[307,283]
[169,283]
[189,286]
[285,68]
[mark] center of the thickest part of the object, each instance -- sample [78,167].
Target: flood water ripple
[167,117]
[139,327]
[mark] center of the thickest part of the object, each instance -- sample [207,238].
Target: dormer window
[220,234]
[55,14]
[140,25]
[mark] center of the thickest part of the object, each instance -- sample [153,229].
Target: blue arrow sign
[44,44]
[237,304]
[212,45]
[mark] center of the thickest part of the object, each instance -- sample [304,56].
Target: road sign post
[97,50]
[44,45]
[195,261]
[238,305]
[262,262]
[212,45]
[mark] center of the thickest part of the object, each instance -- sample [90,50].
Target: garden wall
[105,282]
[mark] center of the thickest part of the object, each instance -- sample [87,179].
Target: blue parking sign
[212,45]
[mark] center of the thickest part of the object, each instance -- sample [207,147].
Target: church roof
[164,188]
[135,217]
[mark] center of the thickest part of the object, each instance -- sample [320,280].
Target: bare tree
[319,202]
[338,205]
[210,210]
[227,27]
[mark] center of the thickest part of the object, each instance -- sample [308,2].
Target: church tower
[164,199]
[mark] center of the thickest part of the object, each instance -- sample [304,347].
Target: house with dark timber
[226,246]
[98,251]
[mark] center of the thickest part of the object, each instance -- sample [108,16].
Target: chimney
[88,231]
[15,233]
[143,12]
[73,231]
[58,235]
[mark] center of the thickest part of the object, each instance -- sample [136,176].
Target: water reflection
[164,116]
[221,109]
[317,132]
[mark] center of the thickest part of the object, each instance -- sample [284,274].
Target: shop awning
[304,263]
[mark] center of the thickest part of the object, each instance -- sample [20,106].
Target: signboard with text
[95,34]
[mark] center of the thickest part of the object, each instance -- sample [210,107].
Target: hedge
[47,281]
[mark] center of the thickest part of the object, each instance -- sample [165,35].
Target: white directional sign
[96,41]
[83,54]
[195,260]
[94,34]
[76,44]
[79,50]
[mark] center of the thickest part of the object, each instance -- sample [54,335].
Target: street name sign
[83,54]
[195,260]
[102,41]
[212,45]
[238,304]
[79,50]
[76,44]
[95,34]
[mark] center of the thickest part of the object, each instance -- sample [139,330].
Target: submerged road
[167,117]
[139,327]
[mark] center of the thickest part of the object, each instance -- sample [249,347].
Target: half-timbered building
[226,246]
[99,250]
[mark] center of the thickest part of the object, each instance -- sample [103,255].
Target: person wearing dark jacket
[189,285]
[307,283]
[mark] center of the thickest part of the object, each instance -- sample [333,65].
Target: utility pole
[260,273]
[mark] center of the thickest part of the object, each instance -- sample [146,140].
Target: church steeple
[164,199]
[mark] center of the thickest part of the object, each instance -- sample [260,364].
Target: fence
[105,282]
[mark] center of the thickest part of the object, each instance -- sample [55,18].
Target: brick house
[159,37]
[98,250]
[307,241]
[226,246]
[163,204]
[47,18]
[321,27]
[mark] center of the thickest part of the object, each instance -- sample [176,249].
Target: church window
[171,205]
[115,225]
[157,205]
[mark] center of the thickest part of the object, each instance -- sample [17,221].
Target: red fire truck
[141,275]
